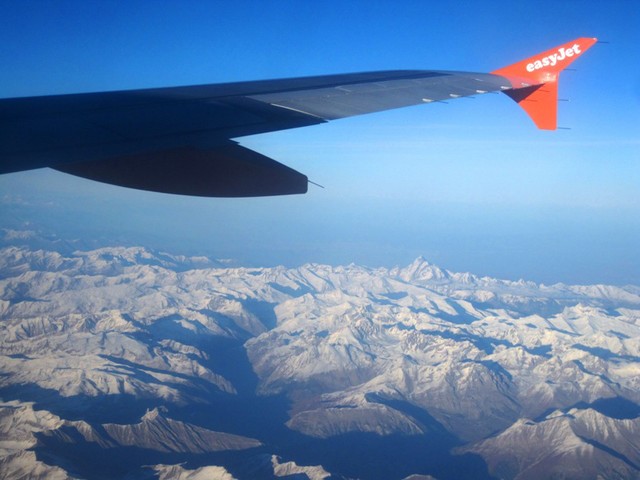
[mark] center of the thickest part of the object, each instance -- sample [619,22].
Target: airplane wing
[179,139]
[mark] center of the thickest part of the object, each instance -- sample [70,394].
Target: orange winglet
[535,80]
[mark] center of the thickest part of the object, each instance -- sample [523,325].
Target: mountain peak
[421,261]
[153,413]
[421,269]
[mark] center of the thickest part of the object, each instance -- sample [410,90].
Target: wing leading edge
[178,140]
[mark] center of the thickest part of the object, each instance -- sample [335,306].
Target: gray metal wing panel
[349,99]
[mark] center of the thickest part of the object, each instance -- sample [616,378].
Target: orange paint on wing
[535,80]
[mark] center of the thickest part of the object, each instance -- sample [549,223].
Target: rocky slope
[576,444]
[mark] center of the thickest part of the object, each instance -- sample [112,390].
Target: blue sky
[471,185]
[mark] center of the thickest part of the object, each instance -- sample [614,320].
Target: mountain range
[122,362]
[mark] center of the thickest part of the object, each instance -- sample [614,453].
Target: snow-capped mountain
[313,371]
[579,443]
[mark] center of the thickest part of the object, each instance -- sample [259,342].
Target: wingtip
[534,80]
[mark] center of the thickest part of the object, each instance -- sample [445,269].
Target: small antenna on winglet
[314,183]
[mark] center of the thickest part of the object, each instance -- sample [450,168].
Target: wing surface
[179,139]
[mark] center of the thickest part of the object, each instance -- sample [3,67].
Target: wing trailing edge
[535,80]
[226,171]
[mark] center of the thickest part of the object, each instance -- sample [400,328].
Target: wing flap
[227,171]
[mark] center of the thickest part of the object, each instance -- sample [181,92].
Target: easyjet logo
[551,60]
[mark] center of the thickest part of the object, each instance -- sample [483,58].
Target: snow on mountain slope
[593,445]
[458,360]
[153,432]
[103,354]
[337,419]
[177,472]
[164,434]
[417,352]
[22,428]
[291,469]
[276,469]
[25,465]
[19,423]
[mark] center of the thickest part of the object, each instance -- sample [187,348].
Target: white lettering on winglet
[552,60]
